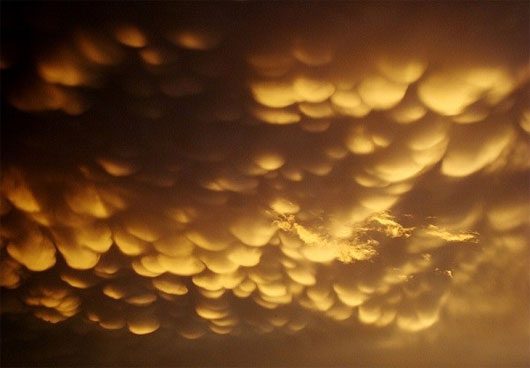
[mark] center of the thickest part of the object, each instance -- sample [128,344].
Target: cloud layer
[253,171]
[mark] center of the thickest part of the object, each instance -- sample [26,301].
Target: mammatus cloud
[253,174]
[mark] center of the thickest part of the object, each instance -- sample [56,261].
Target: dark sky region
[265,184]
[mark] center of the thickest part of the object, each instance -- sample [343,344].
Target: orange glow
[208,183]
[130,35]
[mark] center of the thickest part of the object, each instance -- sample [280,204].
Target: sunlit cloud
[202,178]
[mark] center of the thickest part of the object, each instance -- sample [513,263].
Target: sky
[265,184]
